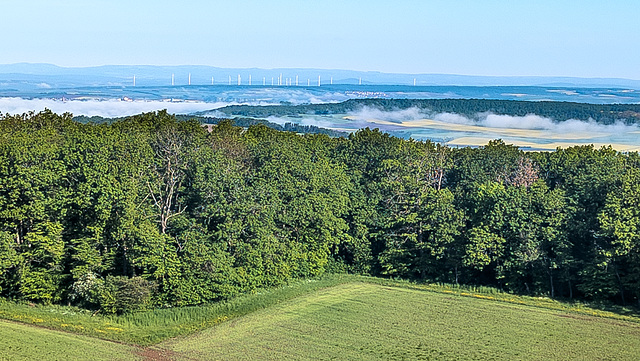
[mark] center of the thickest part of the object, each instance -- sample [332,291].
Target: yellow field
[526,138]
[478,141]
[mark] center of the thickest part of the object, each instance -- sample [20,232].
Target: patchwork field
[528,144]
[563,135]
[25,342]
[361,321]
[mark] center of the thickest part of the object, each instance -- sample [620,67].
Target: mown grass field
[361,321]
[337,317]
[26,342]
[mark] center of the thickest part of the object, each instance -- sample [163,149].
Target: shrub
[125,295]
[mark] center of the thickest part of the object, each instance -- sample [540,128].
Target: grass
[24,342]
[366,321]
[147,328]
[373,318]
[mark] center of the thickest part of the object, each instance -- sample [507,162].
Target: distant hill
[199,74]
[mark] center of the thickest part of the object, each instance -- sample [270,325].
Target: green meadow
[360,321]
[26,342]
[337,317]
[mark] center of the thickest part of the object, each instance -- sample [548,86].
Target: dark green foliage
[152,211]
[559,111]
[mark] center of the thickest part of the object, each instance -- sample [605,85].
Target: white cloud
[105,108]
[490,120]
[396,116]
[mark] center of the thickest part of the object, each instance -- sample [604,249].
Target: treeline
[286,127]
[558,111]
[240,122]
[150,211]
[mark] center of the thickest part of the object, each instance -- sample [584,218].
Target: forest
[154,211]
[471,108]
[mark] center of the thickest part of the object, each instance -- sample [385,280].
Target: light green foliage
[421,227]
[483,248]
[518,232]
[620,222]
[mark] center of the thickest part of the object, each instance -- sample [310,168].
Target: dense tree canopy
[557,111]
[154,211]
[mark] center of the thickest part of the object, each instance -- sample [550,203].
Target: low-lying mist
[489,120]
[103,108]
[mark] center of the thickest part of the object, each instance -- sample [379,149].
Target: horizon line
[324,69]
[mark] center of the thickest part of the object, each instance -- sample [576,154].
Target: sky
[581,38]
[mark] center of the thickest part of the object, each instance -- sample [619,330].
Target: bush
[86,290]
[126,295]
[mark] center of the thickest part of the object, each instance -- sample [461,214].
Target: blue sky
[541,38]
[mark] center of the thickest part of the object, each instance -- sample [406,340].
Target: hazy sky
[511,37]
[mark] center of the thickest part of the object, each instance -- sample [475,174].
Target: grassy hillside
[337,317]
[24,342]
[363,321]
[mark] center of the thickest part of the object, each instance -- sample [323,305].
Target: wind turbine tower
[318,80]
[173,79]
[239,79]
[134,80]
[249,79]
[296,80]
[189,78]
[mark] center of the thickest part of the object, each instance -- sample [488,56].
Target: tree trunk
[456,272]
[620,286]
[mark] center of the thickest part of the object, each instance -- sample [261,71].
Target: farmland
[24,342]
[360,321]
[348,317]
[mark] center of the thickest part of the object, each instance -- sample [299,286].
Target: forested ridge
[152,211]
[238,121]
[558,111]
